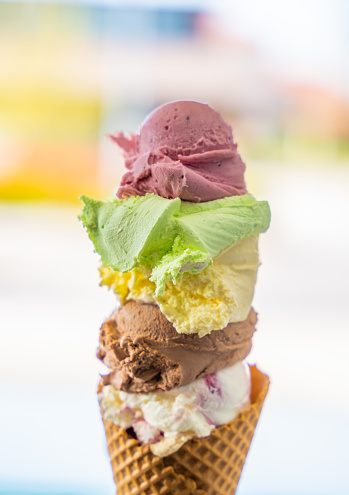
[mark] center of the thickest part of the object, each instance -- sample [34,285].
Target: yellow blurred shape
[48,114]
[55,135]
[58,171]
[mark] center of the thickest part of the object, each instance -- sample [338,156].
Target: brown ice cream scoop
[145,352]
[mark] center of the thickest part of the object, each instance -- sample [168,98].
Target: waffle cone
[202,466]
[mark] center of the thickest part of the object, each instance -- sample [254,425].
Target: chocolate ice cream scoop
[145,352]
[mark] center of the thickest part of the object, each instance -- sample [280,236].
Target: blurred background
[71,72]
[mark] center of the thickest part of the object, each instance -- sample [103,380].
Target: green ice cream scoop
[170,235]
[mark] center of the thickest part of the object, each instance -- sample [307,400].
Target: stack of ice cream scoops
[179,247]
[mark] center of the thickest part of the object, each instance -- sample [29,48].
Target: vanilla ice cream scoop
[166,420]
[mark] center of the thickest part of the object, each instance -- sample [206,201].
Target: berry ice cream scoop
[184,149]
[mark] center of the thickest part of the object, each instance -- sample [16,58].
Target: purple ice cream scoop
[184,149]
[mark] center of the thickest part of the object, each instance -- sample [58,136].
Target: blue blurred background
[70,72]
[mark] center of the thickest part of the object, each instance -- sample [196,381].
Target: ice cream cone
[202,466]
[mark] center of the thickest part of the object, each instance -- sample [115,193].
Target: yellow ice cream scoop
[197,303]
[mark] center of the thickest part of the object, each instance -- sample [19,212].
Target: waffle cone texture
[203,466]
